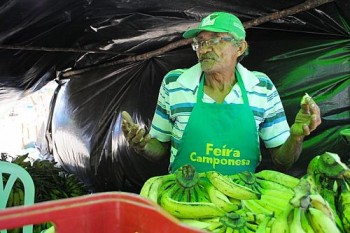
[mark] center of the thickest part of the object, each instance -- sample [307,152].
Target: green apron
[220,137]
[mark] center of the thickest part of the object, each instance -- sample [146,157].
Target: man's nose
[204,49]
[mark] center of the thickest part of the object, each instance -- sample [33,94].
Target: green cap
[219,22]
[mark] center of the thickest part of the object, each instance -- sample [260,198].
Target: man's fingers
[315,121]
[305,108]
[306,130]
[126,116]
[138,135]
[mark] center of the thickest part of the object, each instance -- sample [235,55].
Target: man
[213,114]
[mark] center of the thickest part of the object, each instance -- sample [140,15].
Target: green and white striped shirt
[177,97]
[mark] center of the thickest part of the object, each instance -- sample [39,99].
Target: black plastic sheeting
[306,52]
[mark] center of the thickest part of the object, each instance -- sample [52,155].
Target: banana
[346,219]
[272,204]
[247,230]
[231,189]
[219,199]
[296,226]
[255,207]
[331,196]
[280,224]
[252,226]
[214,224]
[195,223]
[344,208]
[10,199]
[262,228]
[201,194]
[188,209]
[250,217]
[272,185]
[278,177]
[151,187]
[21,196]
[193,195]
[275,193]
[305,224]
[235,201]
[320,222]
[16,198]
[318,202]
[165,186]
[186,195]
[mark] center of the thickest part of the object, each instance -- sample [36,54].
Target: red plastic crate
[102,212]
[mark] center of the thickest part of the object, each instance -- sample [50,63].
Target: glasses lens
[195,46]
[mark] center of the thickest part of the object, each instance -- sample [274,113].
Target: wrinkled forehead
[208,35]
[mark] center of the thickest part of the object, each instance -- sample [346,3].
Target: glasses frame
[196,45]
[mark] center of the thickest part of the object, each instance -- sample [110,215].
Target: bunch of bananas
[205,200]
[233,222]
[267,201]
[187,194]
[331,179]
[16,197]
[275,189]
[51,183]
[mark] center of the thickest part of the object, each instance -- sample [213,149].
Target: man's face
[216,51]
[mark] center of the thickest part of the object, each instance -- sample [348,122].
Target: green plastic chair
[16,172]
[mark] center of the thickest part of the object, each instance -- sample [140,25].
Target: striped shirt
[177,97]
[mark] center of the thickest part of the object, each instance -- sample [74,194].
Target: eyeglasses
[214,41]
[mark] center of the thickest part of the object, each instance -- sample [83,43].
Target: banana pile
[267,201]
[50,181]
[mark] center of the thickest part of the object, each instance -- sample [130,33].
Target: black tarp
[41,40]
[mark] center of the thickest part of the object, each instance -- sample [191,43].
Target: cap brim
[195,31]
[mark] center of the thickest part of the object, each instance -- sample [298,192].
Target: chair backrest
[16,172]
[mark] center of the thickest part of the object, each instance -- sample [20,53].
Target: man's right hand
[134,134]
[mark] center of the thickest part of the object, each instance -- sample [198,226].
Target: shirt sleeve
[161,126]
[274,130]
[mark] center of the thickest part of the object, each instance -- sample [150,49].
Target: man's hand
[134,134]
[307,119]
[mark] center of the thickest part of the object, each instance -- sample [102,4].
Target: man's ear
[242,47]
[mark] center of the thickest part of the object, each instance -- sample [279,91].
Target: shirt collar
[190,77]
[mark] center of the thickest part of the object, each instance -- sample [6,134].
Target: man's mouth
[207,59]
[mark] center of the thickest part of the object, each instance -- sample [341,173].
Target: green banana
[195,223]
[320,222]
[255,207]
[230,188]
[318,202]
[201,193]
[280,224]
[252,226]
[278,177]
[16,198]
[331,196]
[10,199]
[219,199]
[344,207]
[263,226]
[272,185]
[152,186]
[273,204]
[188,209]
[275,193]
[305,224]
[295,225]
[21,196]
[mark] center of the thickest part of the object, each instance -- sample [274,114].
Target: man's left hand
[307,119]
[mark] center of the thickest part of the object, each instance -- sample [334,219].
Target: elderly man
[213,114]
